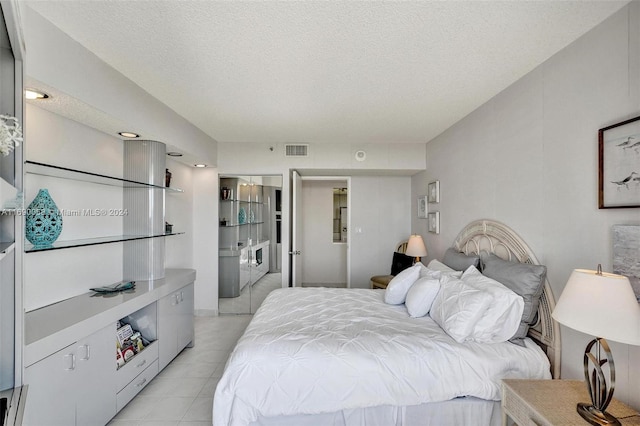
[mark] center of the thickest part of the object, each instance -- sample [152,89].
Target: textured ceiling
[324,71]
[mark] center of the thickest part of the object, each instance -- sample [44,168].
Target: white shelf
[6,248]
[42,169]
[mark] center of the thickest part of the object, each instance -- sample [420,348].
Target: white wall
[52,276]
[259,158]
[380,202]
[323,261]
[179,213]
[380,218]
[205,240]
[529,158]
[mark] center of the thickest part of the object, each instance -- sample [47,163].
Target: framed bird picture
[619,165]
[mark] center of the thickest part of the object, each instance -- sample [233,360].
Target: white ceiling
[324,71]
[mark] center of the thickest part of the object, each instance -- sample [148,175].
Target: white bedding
[320,350]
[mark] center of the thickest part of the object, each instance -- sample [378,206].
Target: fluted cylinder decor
[144,161]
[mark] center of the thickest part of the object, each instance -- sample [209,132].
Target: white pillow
[435,265]
[396,291]
[458,306]
[421,296]
[502,317]
[429,273]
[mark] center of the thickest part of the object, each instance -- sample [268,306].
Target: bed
[320,356]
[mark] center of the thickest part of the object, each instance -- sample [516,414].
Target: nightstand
[553,402]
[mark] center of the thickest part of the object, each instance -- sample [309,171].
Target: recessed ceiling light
[174,154]
[34,94]
[200,165]
[129,134]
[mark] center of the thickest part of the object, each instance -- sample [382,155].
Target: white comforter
[317,350]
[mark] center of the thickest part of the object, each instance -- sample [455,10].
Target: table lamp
[415,247]
[602,305]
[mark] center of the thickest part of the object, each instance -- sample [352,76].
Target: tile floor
[182,394]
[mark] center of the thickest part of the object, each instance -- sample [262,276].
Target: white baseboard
[205,312]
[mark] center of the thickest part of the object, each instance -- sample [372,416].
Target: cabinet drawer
[137,365]
[132,389]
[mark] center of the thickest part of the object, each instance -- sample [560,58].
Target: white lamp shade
[415,247]
[600,305]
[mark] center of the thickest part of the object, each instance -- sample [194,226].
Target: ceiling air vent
[296,150]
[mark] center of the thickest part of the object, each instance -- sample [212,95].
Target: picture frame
[433,192]
[434,222]
[626,252]
[619,165]
[422,207]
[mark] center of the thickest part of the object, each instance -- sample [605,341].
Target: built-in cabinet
[175,323]
[75,385]
[80,383]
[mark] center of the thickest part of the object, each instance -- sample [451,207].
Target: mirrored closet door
[249,250]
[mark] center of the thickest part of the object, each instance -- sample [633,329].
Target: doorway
[249,245]
[320,231]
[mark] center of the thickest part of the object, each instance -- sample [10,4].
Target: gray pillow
[460,261]
[523,279]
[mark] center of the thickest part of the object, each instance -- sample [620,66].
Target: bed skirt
[456,412]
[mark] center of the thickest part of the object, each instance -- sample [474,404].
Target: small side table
[553,402]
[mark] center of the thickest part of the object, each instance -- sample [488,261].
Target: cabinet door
[51,391]
[96,374]
[185,312]
[167,329]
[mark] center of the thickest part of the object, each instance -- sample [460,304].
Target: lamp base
[596,417]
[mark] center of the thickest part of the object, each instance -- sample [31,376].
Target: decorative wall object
[10,134]
[434,222]
[619,165]
[626,254]
[422,207]
[43,221]
[433,192]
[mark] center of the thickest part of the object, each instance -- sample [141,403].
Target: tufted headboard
[487,236]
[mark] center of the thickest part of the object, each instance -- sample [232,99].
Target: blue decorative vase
[252,217]
[43,221]
[242,216]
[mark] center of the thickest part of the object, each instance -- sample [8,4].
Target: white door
[296,237]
